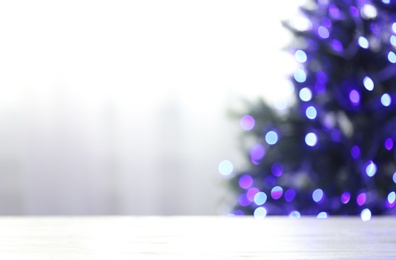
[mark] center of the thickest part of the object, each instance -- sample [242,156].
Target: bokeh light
[368,83]
[245,181]
[260,198]
[300,75]
[336,45]
[301,23]
[260,212]
[290,194]
[247,122]
[300,56]
[295,214]
[322,215]
[392,197]
[251,193]
[371,169]
[392,57]
[345,197]
[365,215]
[225,167]
[311,112]
[318,195]
[237,212]
[243,200]
[326,22]
[393,40]
[363,42]
[361,199]
[323,32]
[281,104]
[257,153]
[334,11]
[277,169]
[311,139]
[276,192]
[354,96]
[386,100]
[388,144]
[369,11]
[355,152]
[305,94]
[353,11]
[271,137]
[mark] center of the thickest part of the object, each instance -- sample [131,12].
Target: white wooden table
[196,238]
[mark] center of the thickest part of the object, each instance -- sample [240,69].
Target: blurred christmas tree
[332,152]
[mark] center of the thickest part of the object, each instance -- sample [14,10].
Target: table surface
[196,237]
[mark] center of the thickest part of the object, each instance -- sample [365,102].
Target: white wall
[119,107]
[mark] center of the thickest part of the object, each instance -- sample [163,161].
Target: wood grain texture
[196,238]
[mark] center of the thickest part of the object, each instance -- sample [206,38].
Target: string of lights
[333,152]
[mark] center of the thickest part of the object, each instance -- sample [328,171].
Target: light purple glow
[243,200]
[388,144]
[326,22]
[354,96]
[354,11]
[323,32]
[270,180]
[334,12]
[257,153]
[290,194]
[237,212]
[245,181]
[361,199]
[336,45]
[321,77]
[335,135]
[355,152]
[345,197]
[247,122]
[276,192]
[277,169]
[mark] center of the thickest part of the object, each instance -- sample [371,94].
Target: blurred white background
[120,107]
